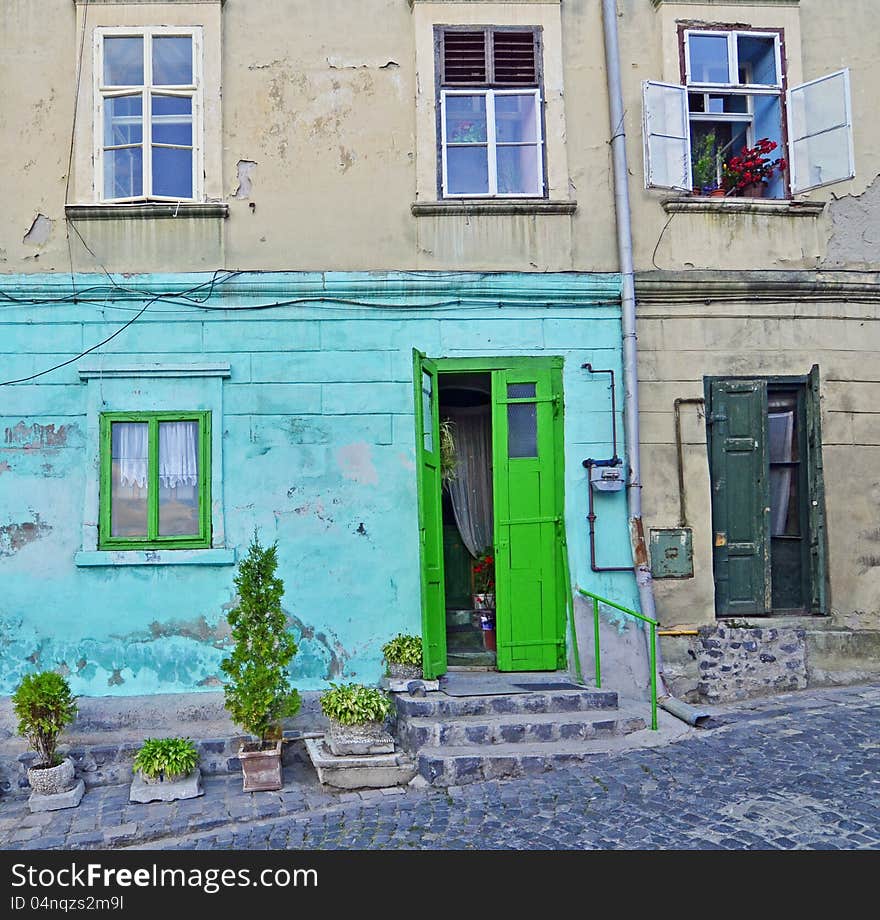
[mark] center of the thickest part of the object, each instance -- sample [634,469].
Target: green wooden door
[430,516]
[740,497]
[816,495]
[527,499]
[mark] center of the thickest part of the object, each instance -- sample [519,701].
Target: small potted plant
[483,581]
[258,694]
[44,706]
[749,173]
[705,165]
[166,769]
[357,716]
[403,655]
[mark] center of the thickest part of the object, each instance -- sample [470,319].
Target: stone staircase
[464,739]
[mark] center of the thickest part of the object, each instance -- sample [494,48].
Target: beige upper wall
[328,139]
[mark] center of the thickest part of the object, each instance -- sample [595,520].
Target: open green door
[430,516]
[529,596]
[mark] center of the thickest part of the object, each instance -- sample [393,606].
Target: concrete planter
[398,671]
[261,769]
[166,789]
[367,738]
[52,780]
[370,771]
[54,787]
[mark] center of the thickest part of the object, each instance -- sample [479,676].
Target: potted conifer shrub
[258,693]
[44,706]
[166,769]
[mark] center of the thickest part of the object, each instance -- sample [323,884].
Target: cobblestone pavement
[798,771]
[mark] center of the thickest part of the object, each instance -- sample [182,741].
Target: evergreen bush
[258,694]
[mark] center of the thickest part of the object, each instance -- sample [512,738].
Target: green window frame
[152,539]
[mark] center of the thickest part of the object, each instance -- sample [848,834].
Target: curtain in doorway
[780,427]
[471,489]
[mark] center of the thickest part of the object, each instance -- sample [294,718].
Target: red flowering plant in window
[484,573]
[752,166]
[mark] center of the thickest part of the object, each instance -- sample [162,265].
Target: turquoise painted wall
[314,427]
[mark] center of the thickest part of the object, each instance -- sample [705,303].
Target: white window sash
[733,60]
[147,90]
[655,126]
[801,183]
[492,144]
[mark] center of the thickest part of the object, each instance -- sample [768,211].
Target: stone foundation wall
[739,662]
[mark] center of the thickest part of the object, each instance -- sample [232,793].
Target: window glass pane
[522,421]
[178,478]
[172,172]
[427,416]
[123,120]
[172,60]
[784,518]
[467,170]
[757,60]
[123,173]
[172,120]
[466,119]
[518,170]
[123,61]
[128,479]
[696,102]
[729,105]
[708,54]
[515,120]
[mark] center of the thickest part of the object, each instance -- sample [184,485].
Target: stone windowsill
[217,556]
[772,207]
[148,210]
[484,206]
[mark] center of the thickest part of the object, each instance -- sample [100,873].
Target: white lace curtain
[780,427]
[471,489]
[178,453]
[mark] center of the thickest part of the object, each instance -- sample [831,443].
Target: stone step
[539,728]
[436,705]
[458,766]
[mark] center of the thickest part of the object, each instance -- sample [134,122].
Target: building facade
[257,258]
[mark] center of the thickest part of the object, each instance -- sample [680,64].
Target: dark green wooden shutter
[816,497]
[740,497]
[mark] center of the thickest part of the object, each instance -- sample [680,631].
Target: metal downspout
[630,367]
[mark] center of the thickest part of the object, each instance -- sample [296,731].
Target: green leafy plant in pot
[357,716]
[258,694]
[44,707]
[403,656]
[171,763]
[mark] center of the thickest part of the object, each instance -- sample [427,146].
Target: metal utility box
[672,553]
[606,478]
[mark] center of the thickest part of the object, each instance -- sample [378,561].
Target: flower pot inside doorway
[261,766]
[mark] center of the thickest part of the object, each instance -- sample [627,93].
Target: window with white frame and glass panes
[148,124]
[490,112]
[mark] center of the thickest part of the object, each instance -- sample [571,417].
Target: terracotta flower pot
[52,780]
[753,190]
[261,767]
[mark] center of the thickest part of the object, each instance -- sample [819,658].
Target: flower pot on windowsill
[753,190]
[483,601]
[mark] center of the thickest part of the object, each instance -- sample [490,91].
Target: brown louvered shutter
[464,57]
[514,58]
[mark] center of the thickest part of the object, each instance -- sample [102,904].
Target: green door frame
[487,365]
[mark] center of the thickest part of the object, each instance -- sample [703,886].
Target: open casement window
[490,105]
[733,96]
[820,132]
[148,100]
[155,480]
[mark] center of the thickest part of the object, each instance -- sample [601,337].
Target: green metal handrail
[653,624]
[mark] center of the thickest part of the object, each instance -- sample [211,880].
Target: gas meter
[606,475]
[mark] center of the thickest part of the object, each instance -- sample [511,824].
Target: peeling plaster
[245,169]
[855,235]
[4,467]
[17,535]
[38,437]
[336,64]
[356,463]
[39,231]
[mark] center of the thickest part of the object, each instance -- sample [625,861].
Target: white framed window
[732,96]
[491,139]
[148,114]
